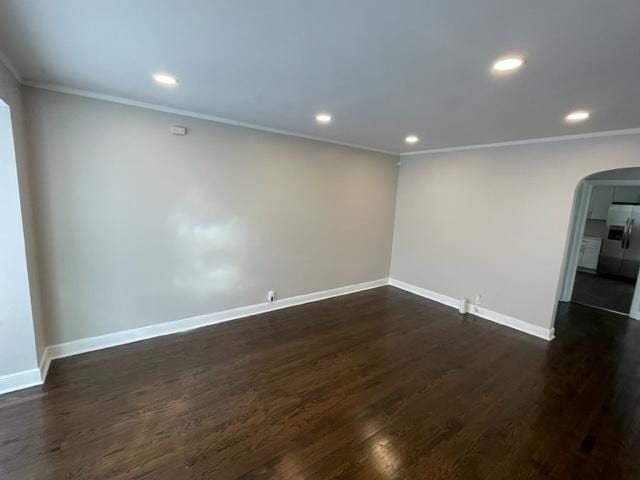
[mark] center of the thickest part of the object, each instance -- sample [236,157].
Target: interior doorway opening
[603,258]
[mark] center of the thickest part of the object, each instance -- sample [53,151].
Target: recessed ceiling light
[165,80]
[323,118]
[411,139]
[508,64]
[578,116]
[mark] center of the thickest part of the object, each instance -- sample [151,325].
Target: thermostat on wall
[178,130]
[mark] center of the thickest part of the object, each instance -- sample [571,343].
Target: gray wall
[495,221]
[18,350]
[136,226]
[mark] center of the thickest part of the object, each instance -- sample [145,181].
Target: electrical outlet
[178,130]
[478,299]
[271,296]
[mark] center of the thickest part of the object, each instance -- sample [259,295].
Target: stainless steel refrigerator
[620,253]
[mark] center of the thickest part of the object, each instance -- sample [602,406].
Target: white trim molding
[507,321]
[531,141]
[191,114]
[613,183]
[20,380]
[485,313]
[45,363]
[423,292]
[576,230]
[227,121]
[90,344]
[37,376]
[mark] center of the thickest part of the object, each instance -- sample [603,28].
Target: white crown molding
[496,317]
[212,118]
[20,380]
[175,111]
[4,60]
[192,114]
[532,141]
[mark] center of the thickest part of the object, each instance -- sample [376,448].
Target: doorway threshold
[601,308]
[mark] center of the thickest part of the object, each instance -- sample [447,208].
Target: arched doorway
[603,254]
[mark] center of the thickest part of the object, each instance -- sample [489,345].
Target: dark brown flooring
[376,385]
[606,292]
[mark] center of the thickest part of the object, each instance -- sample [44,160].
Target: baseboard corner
[496,317]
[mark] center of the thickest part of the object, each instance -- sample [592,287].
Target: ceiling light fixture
[323,118]
[411,139]
[578,116]
[508,64]
[165,80]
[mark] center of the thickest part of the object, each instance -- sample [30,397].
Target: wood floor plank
[379,384]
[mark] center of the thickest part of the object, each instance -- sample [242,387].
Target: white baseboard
[20,380]
[45,363]
[134,335]
[502,319]
[507,321]
[37,376]
[423,292]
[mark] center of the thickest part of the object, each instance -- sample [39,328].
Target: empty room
[327,240]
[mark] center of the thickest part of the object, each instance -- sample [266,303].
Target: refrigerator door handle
[625,232]
[629,230]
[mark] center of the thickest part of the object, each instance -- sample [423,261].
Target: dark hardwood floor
[605,292]
[376,385]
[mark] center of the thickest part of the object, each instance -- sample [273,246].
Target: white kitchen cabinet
[589,253]
[627,195]
[601,198]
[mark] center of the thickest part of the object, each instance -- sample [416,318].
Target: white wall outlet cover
[271,296]
[178,130]
[478,299]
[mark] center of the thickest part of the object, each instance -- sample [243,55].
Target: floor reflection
[380,385]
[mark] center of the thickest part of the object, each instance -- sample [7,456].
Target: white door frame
[576,232]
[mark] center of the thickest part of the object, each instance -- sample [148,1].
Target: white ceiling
[383,68]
